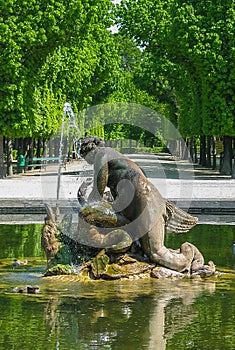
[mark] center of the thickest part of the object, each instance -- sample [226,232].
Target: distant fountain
[72,135]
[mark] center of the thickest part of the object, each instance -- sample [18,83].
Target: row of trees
[189,52]
[171,56]
[51,52]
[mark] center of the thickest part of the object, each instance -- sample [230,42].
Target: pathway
[191,187]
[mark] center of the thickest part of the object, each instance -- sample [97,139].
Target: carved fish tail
[177,220]
[50,213]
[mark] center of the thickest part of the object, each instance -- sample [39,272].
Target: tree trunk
[208,152]
[19,147]
[1,158]
[202,150]
[38,152]
[175,148]
[56,143]
[191,149]
[226,168]
[233,166]
[30,149]
[213,154]
[183,150]
[9,157]
[51,148]
[116,143]
[195,150]
[44,147]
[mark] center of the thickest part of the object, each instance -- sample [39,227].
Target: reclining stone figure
[145,215]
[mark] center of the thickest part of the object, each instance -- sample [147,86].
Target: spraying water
[73,133]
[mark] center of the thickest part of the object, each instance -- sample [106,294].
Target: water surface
[118,315]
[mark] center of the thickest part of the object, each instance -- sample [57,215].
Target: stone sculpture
[131,226]
[148,213]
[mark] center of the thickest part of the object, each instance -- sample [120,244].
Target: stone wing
[177,220]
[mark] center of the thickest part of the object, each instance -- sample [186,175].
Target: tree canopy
[193,48]
[176,57]
[51,51]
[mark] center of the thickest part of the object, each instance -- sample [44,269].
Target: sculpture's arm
[101,173]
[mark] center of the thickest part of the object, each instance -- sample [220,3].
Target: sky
[114,29]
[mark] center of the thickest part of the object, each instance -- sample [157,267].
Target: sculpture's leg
[198,260]
[175,260]
[153,245]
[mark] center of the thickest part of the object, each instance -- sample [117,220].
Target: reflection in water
[126,315]
[137,321]
[157,326]
[167,318]
[51,319]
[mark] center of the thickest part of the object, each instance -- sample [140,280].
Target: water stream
[118,315]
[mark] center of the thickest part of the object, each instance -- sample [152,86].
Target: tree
[1,158]
[124,88]
[208,44]
[198,45]
[51,52]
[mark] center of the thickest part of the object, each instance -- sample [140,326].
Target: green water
[117,315]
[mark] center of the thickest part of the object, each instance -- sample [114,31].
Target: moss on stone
[59,269]
[99,263]
[63,256]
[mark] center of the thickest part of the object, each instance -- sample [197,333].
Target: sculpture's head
[89,146]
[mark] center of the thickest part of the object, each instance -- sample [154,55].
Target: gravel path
[175,180]
[203,193]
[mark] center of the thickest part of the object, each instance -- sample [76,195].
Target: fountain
[72,125]
[73,129]
[138,313]
[124,228]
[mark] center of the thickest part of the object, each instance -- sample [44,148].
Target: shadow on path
[164,165]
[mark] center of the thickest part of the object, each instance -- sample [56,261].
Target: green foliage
[173,57]
[206,40]
[127,86]
[51,52]
[190,50]
[97,130]
[114,131]
[46,109]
